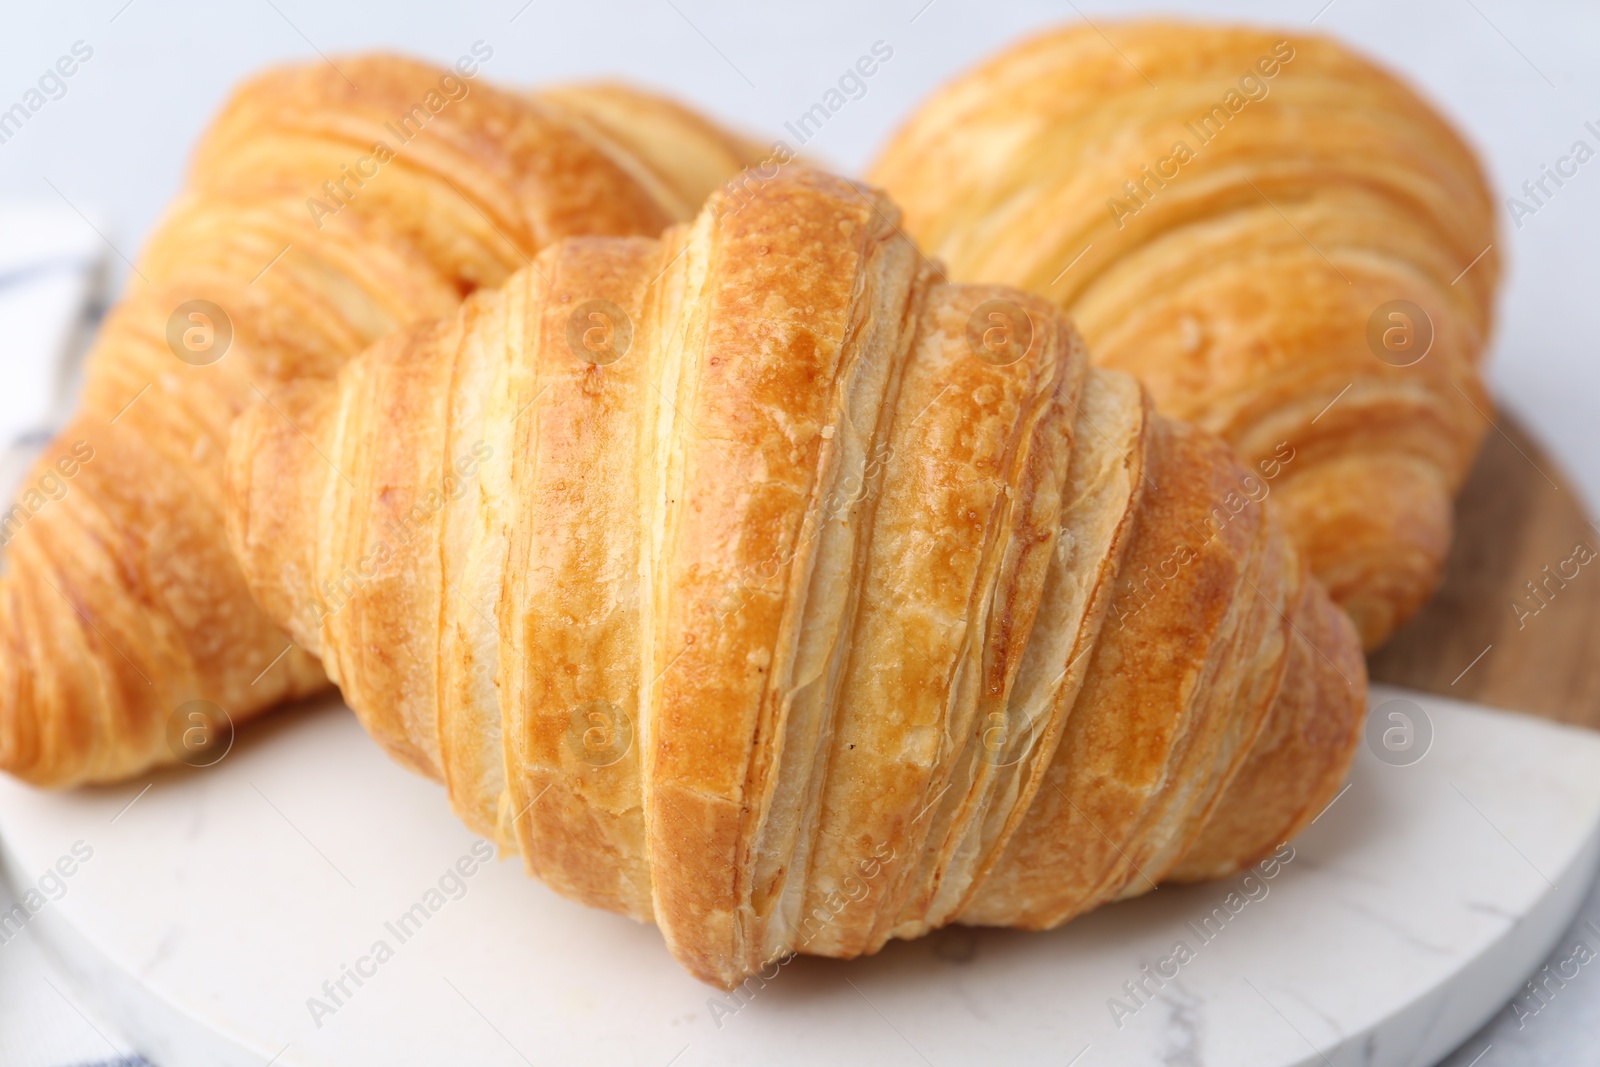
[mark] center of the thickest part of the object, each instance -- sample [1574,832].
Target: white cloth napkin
[52,274]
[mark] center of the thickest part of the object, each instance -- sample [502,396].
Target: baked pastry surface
[1281,240]
[744,581]
[318,218]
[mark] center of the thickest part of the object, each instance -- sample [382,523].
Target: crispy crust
[802,625]
[120,601]
[1237,279]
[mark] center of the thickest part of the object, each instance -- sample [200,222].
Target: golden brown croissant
[319,218]
[748,582]
[1281,240]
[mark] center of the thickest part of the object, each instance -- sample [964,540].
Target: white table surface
[1520,79]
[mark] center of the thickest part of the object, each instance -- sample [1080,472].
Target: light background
[1519,79]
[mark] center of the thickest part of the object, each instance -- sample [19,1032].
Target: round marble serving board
[215,904]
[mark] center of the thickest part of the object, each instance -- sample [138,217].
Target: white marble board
[215,907]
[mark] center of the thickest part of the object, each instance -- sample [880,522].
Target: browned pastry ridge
[738,583]
[319,218]
[1231,214]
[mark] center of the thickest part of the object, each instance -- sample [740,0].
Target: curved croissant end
[318,219]
[1283,242]
[751,583]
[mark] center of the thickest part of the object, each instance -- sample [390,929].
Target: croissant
[318,219]
[1282,241]
[748,582]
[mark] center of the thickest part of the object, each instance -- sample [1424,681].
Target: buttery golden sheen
[730,583]
[120,601]
[1226,213]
